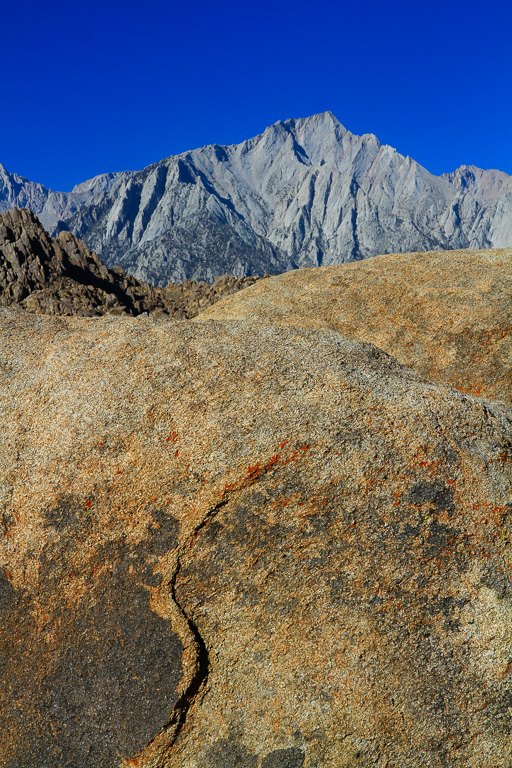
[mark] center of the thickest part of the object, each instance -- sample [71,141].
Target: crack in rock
[202,663]
[199,678]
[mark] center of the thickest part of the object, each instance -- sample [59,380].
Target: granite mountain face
[306,192]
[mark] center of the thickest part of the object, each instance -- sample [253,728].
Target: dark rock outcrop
[226,545]
[61,276]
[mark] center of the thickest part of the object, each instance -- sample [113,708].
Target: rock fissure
[200,674]
[199,677]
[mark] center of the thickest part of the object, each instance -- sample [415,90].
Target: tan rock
[447,314]
[226,545]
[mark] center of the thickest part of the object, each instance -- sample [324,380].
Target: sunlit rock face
[228,543]
[304,193]
[445,314]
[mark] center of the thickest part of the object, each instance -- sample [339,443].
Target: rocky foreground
[61,276]
[229,543]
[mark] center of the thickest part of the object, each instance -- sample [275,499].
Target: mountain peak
[486,186]
[325,120]
[305,192]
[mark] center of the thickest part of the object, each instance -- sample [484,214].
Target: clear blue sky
[105,85]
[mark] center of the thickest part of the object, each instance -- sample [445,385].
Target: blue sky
[91,87]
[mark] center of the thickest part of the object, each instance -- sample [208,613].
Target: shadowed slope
[61,276]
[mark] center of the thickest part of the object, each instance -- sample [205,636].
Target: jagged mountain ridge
[306,192]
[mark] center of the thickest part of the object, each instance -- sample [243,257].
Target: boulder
[446,314]
[227,545]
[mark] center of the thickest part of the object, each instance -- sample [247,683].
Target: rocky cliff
[306,192]
[229,543]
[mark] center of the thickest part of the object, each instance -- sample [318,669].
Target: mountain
[52,208]
[306,192]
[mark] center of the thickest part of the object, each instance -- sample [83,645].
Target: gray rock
[62,276]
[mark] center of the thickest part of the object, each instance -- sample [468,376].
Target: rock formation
[225,543]
[61,276]
[447,315]
[304,193]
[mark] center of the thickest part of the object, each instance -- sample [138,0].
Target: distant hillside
[306,192]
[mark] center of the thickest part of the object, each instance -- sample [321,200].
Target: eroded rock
[61,276]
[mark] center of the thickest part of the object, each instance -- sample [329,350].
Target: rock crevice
[198,680]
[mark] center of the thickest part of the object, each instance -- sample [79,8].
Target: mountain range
[306,192]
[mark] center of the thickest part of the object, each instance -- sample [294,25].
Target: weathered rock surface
[304,193]
[61,276]
[228,545]
[447,315]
